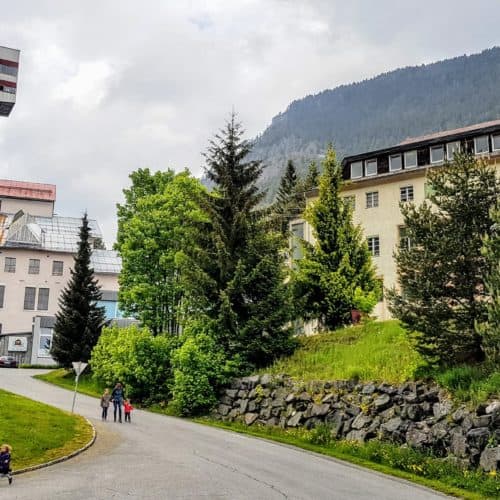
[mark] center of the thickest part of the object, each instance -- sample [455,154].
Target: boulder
[361,421]
[295,419]
[418,438]
[478,438]
[226,400]
[493,408]
[320,410]
[458,415]
[441,410]
[242,393]
[231,393]
[368,389]
[387,389]
[490,459]
[223,409]
[266,380]
[329,398]
[243,405]
[414,412]
[458,443]
[382,402]
[250,382]
[252,406]
[250,418]
[411,397]
[482,421]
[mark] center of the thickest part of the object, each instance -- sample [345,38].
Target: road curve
[158,457]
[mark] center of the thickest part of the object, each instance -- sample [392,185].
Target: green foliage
[240,273]
[38,432]
[200,368]
[441,276]
[79,320]
[65,378]
[156,230]
[370,351]
[490,329]
[336,274]
[136,358]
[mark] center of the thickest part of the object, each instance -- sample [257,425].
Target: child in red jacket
[127,409]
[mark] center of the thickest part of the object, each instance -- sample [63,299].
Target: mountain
[382,111]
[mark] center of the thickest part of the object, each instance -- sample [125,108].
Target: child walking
[127,409]
[105,400]
[5,451]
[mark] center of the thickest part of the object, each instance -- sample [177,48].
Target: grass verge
[66,379]
[371,351]
[37,432]
[386,458]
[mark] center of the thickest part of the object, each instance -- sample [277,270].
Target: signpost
[79,367]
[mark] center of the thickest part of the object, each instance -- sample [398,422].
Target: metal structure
[9,67]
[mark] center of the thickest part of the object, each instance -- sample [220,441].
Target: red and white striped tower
[9,67]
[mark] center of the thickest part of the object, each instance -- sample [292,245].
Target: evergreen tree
[490,329]
[289,201]
[441,292]
[79,320]
[312,178]
[245,293]
[336,274]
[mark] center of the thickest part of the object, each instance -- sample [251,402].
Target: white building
[9,67]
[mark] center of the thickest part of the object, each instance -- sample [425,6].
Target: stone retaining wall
[415,413]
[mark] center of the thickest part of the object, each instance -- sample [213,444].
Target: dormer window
[356,170]
[395,163]
[451,149]
[437,154]
[371,167]
[495,142]
[410,159]
[481,145]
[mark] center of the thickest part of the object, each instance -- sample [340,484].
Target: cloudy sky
[106,87]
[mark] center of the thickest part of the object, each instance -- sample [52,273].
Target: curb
[64,458]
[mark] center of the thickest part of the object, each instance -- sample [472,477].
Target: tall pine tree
[336,274]
[289,202]
[442,294]
[79,320]
[247,296]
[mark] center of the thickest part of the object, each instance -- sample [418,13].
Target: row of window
[34,266]
[438,153]
[8,70]
[374,242]
[406,193]
[30,298]
[9,90]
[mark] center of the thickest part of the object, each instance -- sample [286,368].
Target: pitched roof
[446,133]
[27,190]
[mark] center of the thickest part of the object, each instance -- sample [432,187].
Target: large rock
[295,419]
[413,412]
[458,443]
[441,410]
[490,459]
[493,408]
[382,402]
[368,389]
[320,410]
[266,380]
[418,437]
[482,421]
[361,421]
[250,418]
[243,405]
[478,438]
[250,382]
[231,393]
[223,409]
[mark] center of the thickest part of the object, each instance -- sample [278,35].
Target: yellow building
[376,182]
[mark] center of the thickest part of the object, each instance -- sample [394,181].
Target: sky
[107,87]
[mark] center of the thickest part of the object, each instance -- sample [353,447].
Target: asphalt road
[157,457]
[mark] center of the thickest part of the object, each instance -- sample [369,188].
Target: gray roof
[106,262]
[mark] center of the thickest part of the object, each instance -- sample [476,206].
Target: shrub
[200,368]
[137,359]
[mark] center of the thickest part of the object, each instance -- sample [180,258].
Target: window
[297,237]
[350,201]
[410,159]
[34,266]
[44,345]
[29,298]
[372,199]
[10,265]
[57,268]
[2,295]
[451,149]
[437,154]
[8,70]
[406,193]
[395,163]
[374,245]
[371,167]
[495,142]
[43,299]
[356,170]
[481,145]
[404,239]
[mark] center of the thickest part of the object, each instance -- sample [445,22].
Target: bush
[137,359]
[200,368]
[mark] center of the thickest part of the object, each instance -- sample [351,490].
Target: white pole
[74,395]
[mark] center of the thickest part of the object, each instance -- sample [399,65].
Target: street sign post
[78,367]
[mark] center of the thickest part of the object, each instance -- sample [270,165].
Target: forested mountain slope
[382,111]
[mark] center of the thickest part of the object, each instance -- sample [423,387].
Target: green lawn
[383,457]
[371,351]
[66,379]
[37,432]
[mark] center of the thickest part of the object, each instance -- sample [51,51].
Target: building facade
[37,250]
[9,68]
[377,182]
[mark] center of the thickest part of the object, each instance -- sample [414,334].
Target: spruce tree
[79,320]
[336,274]
[289,201]
[442,294]
[246,294]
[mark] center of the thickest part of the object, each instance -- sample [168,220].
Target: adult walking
[118,396]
